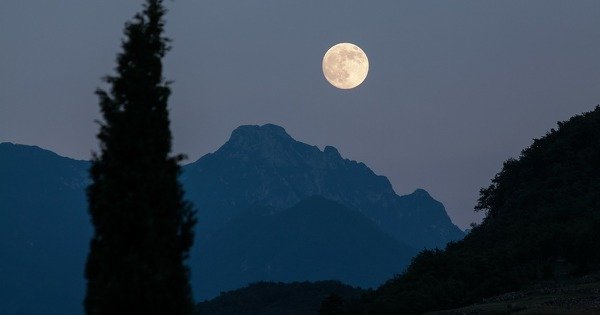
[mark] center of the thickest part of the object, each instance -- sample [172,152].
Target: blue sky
[454,88]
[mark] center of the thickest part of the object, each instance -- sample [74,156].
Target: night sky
[454,88]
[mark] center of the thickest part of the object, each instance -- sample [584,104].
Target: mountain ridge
[264,164]
[28,172]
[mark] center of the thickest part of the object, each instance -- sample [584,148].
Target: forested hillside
[543,215]
[276,298]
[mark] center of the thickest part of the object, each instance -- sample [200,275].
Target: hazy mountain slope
[264,165]
[44,231]
[317,239]
[269,298]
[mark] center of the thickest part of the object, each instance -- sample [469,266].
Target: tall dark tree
[143,226]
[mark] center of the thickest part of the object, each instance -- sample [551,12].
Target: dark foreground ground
[578,296]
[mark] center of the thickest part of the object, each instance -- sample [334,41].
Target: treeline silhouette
[276,298]
[543,216]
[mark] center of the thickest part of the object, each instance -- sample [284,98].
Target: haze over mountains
[270,208]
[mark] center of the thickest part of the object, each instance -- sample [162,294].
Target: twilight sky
[454,88]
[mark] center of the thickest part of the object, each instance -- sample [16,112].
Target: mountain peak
[264,165]
[258,132]
[420,192]
[331,151]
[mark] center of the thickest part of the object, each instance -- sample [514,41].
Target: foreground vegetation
[271,298]
[572,296]
[543,212]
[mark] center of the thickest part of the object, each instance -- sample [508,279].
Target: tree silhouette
[143,227]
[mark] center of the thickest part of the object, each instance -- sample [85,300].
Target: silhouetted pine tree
[143,227]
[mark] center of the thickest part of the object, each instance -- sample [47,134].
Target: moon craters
[345,65]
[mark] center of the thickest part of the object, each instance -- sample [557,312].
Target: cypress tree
[143,226]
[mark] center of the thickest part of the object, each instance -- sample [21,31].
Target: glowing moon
[345,66]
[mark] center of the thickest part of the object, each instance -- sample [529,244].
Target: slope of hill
[270,298]
[317,239]
[44,231]
[570,297]
[264,165]
[543,216]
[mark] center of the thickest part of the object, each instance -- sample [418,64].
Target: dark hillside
[543,215]
[276,298]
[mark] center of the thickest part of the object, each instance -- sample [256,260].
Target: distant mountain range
[264,165]
[260,218]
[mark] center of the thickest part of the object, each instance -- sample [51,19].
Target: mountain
[317,239]
[542,223]
[45,228]
[44,231]
[276,298]
[264,165]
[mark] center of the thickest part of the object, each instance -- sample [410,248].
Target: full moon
[345,66]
